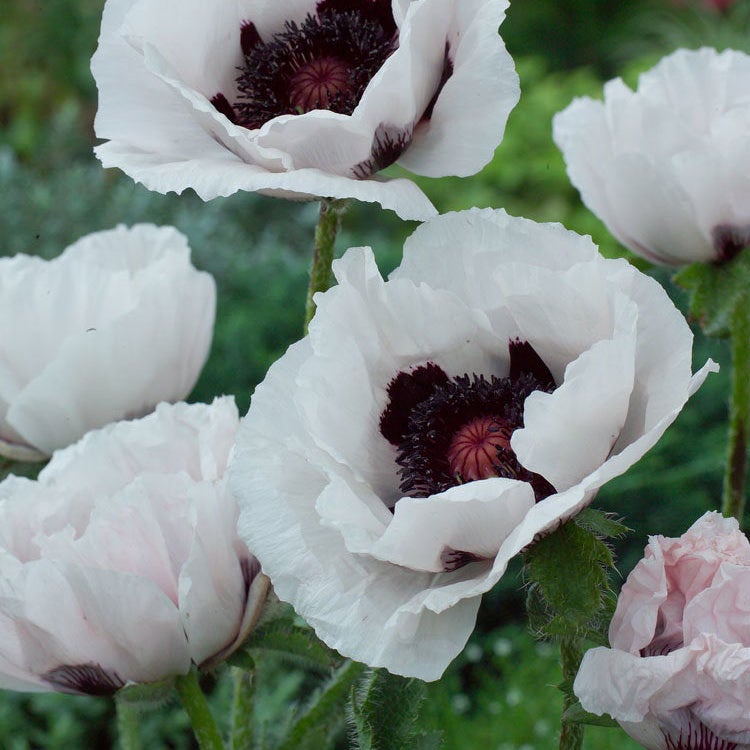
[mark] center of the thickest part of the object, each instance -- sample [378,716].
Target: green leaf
[576,714]
[604,525]
[384,713]
[567,571]
[324,715]
[716,291]
[297,643]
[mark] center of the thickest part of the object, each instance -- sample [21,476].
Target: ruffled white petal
[568,433]
[472,518]
[473,106]
[121,322]
[667,164]
[121,563]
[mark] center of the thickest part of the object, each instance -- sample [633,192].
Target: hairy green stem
[329,223]
[739,416]
[196,706]
[242,709]
[571,653]
[127,725]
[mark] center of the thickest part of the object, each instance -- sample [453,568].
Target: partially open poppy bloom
[117,323]
[432,425]
[667,167]
[302,98]
[121,564]
[677,675]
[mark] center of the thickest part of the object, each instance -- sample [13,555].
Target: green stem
[197,708]
[739,415]
[326,708]
[329,223]
[127,725]
[571,653]
[242,709]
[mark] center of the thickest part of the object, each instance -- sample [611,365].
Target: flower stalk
[242,709]
[196,706]
[329,223]
[733,503]
[571,653]
[127,725]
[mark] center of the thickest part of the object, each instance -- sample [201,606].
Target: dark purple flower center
[449,431]
[325,62]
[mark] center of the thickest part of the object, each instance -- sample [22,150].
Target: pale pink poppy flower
[302,98]
[117,323]
[121,564]
[677,675]
[667,167]
[433,425]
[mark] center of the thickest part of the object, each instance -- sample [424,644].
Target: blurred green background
[499,694]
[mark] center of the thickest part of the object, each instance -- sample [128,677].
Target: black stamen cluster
[432,423]
[359,36]
[371,10]
[426,409]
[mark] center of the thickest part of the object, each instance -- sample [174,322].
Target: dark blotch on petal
[405,391]
[729,241]
[249,37]
[453,559]
[221,104]
[525,361]
[389,142]
[84,679]
[696,736]
[447,73]
[250,569]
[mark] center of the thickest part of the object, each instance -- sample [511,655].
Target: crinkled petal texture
[318,484]
[679,665]
[121,321]
[667,167]
[443,96]
[121,564]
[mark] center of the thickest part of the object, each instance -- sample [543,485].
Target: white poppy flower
[432,425]
[117,323]
[667,167]
[302,98]
[678,673]
[122,564]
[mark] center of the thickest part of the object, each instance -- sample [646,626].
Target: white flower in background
[678,674]
[302,98]
[117,323]
[667,168]
[122,564]
[432,425]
